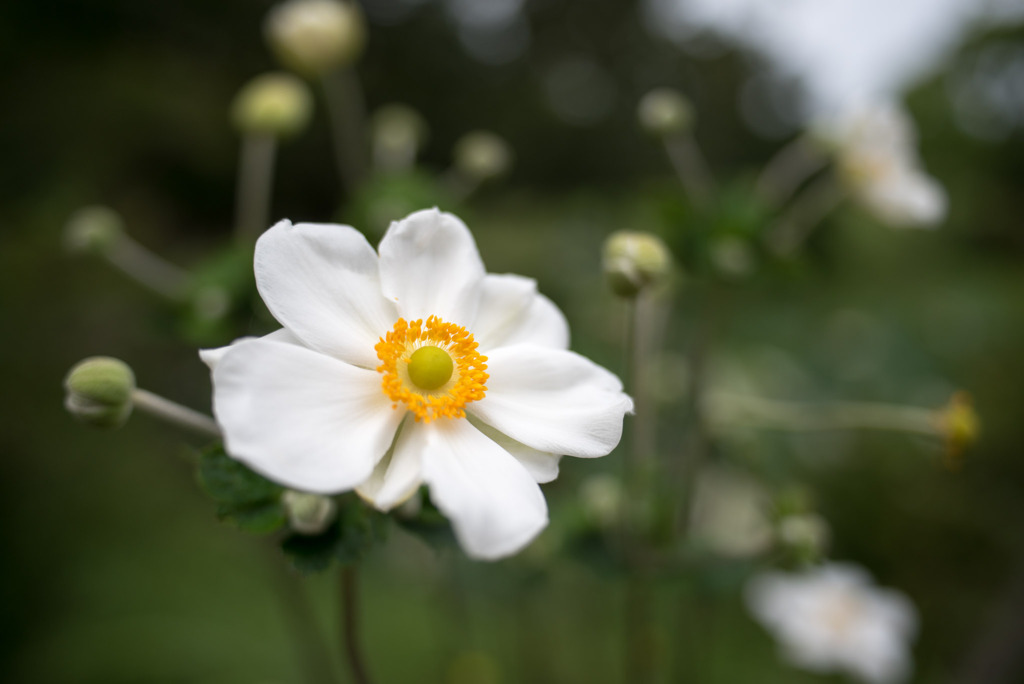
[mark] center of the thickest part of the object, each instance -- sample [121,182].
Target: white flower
[832,618]
[877,160]
[412,367]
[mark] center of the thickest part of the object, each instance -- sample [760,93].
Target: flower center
[432,367]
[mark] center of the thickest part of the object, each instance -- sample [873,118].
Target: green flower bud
[806,535]
[603,500]
[308,513]
[93,229]
[732,256]
[481,155]
[635,261]
[99,391]
[960,426]
[664,111]
[398,133]
[275,104]
[314,37]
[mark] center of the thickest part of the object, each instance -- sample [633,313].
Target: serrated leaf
[349,538]
[259,518]
[229,481]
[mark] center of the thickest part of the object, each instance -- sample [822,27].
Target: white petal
[512,312]
[553,400]
[211,357]
[429,265]
[301,418]
[321,282]
[397,476]
[494,504]
[542,466]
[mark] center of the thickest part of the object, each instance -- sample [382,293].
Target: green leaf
[229,481]
[244,498]
[357,529]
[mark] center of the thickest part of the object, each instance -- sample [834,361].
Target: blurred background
[114,566]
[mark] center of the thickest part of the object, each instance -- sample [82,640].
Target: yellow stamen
[448,400]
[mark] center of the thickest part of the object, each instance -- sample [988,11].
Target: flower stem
[350,624]
[640,659]
[804,214]
[171,412]
[787,170]
[691,167]
[347,112]
[147,268]
[756,412]
[255,183]
[310,646]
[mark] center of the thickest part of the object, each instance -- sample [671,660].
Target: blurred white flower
[832,618]
[409,367]
[877,160]
[730,513]
[842,53]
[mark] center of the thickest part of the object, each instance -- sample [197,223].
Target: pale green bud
[664,111]
[732,256]
[93,229]
[99,391]
[482,155]
[635,261]
[275,104]
[398,133]
[308,513]
[314,37]
[806,534]
[603,499]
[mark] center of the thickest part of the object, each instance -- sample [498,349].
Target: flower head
[832,618]
[412,366]
[877,161]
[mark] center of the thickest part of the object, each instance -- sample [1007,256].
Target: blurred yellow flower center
[431,367]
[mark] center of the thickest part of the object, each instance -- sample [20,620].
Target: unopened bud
[732,256]
[481,155]
[275,104]
[99,391]
[635,261]
[93,229]
[805,535]
[961,426]
[398,133]
[308,513]
[314,37]
[664,111]
[603,499]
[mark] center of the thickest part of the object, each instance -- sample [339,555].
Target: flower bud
[664,111]
[634,261]
[314,37]
[603,499]
[275,104]
[93,229]
[308,513]
[398,133]
[806,535]
[481,155]
[99,391]
[732,256]
[961,427]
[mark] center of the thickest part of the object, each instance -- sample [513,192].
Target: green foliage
[243,497]
[349,538]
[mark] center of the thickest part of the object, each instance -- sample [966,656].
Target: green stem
[347,112]
[310,646]
[787,170]
[169,411]
[350,624]
[148,269]
[691,167]
[756,412]
[255,185]
[804,215]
